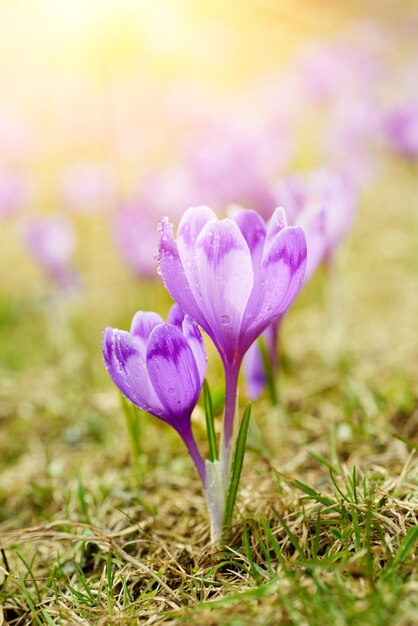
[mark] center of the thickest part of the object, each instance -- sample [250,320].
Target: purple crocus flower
[401,129]
[234,277]
[231,164]
[324,205]
[326,69]
[51,242]
[254,370]
[353,126]
[160,367]
[134,224]
[87,187]
[134,228]
[13,192]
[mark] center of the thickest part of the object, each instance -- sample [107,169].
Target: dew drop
[225,320]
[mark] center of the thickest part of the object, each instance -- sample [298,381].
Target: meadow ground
[325,530]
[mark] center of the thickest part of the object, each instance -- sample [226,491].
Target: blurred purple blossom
[169,188]
[400,127]
[324,205]
[14,192]
[254,368]
[135,233]
[351,137]
[88,187]
[328,69]
[232,163]
[51,242]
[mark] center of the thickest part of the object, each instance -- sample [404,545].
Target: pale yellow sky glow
[223,39]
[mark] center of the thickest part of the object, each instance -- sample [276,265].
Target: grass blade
[292,537]
[404,550]
[407,441]
[312,493]
[210,423]
[237,464]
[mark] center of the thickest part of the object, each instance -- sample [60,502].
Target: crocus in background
[134,224]
[328,69]
[234,277]
[171,185]
[400,129]
[87,187]
[13,193]
[51,242]
[353,126]
[324,205]
[231,163]
[135,233]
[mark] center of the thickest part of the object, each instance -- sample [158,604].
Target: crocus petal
[277,222]
[254,230]
[173,275]
[175,315]
[223,282]
[143,323]
[194,339]
[173,372]
[281,276]
[125,361]
[189,228]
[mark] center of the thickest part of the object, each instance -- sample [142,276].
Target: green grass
[102,519]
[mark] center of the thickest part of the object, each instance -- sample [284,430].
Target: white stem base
[215,496]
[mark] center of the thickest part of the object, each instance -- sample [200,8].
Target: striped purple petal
[124,358]
[277,222]
[143,323]
[254,230]
[192,222]
[281,276]
[175,315]
[173,274]
[223,282]
[173,372]
[193,337]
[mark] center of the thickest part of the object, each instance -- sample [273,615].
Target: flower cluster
[232,277]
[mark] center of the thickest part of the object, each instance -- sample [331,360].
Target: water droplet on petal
[225,320]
